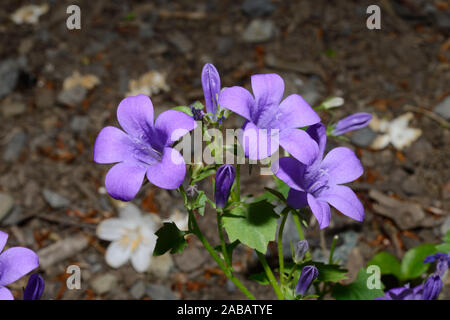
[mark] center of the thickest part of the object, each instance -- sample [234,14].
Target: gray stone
[231,287]
[146,31]
[160,292]
[443,108]
[72,96]
[190,259]
[224,45]
[6,204]
[161,266]
[290,235]
[443,19]
[104,283]
[445,227]
[12,108]
[137,291]
[258,8]
[342,251]
[412,185]
[259,31]
[181,42]
[9,74]
[55,200]
[15,146]
[13,217]
[79,124]
[310,90]
[363,137]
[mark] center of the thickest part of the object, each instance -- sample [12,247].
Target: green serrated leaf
[412,264]
[357,290]
[169,238]
[388,264]
[260,277]
[200,202]
[254,225]
[184,109]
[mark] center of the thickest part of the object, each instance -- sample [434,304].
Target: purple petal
[3,239]
[124,180]
[258,143]
[112,145]
[268,90]
[353,122]
[211,87]
[321,211]
[300,145]
[238,100]
[297,199]
[291,171]
[342,165]
[344,200]
[319,134]
[35,287]
[135,115]
[15,263]
[295,112]
[5,294]
[170,172]
[174,124]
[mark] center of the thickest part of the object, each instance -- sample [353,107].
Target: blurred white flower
[29,14]
[133,238]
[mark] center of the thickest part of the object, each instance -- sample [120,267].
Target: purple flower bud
[300,251]
[211,87]
[432,287]
[442,262]
[197,113]
[224,180]
[353,122]
[34,288]
[308,275]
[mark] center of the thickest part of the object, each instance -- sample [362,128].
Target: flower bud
[300,251]
[35,288]
[224,180]
[308,275]
[353,122]
[432,287]
[211,87]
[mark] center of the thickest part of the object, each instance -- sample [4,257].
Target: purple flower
[353,122]
[269,122]
[144,149]
[224,180]
[319,184]
[432,287]
[308,275]
[34,288]
[403,293]
[211,88]
[14,264]
[300,250]
[443,261]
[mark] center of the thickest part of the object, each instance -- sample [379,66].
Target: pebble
[12,108]
[12,218]
[445,227]
[258,8]
[443,108]
[104,283]
[6,204]
[72,96]
[190,259]
[231,287]
[55,200]
[161,266]
[79,124]
[160,292]
[364,137]
[259,31]
[412,185]
[342,251]
[224,45]
[45,98]
[137,291]
[15,146]
[9,75]
[181,42]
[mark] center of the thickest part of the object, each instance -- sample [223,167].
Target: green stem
[222,240]
[333,247]
[196,230]
[280,248]
[270,276]
[298,225]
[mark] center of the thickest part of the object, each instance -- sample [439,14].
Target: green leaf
[203,175]
[200,202]
[184,109]
[412,263]
[445,248]
[169,238]
[260,277]
[254,225]
[229,247]
[357,290]
[387,263]
[447,237]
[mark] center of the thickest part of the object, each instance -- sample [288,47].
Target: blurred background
[59,87]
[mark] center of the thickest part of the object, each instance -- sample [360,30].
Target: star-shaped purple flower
[144,149]
[269,122]
[319,184]
[14,264]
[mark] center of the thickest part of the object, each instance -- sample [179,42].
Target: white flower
[133,237]
[396,132]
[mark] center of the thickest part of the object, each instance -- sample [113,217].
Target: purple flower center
[316,181]
[144,152]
